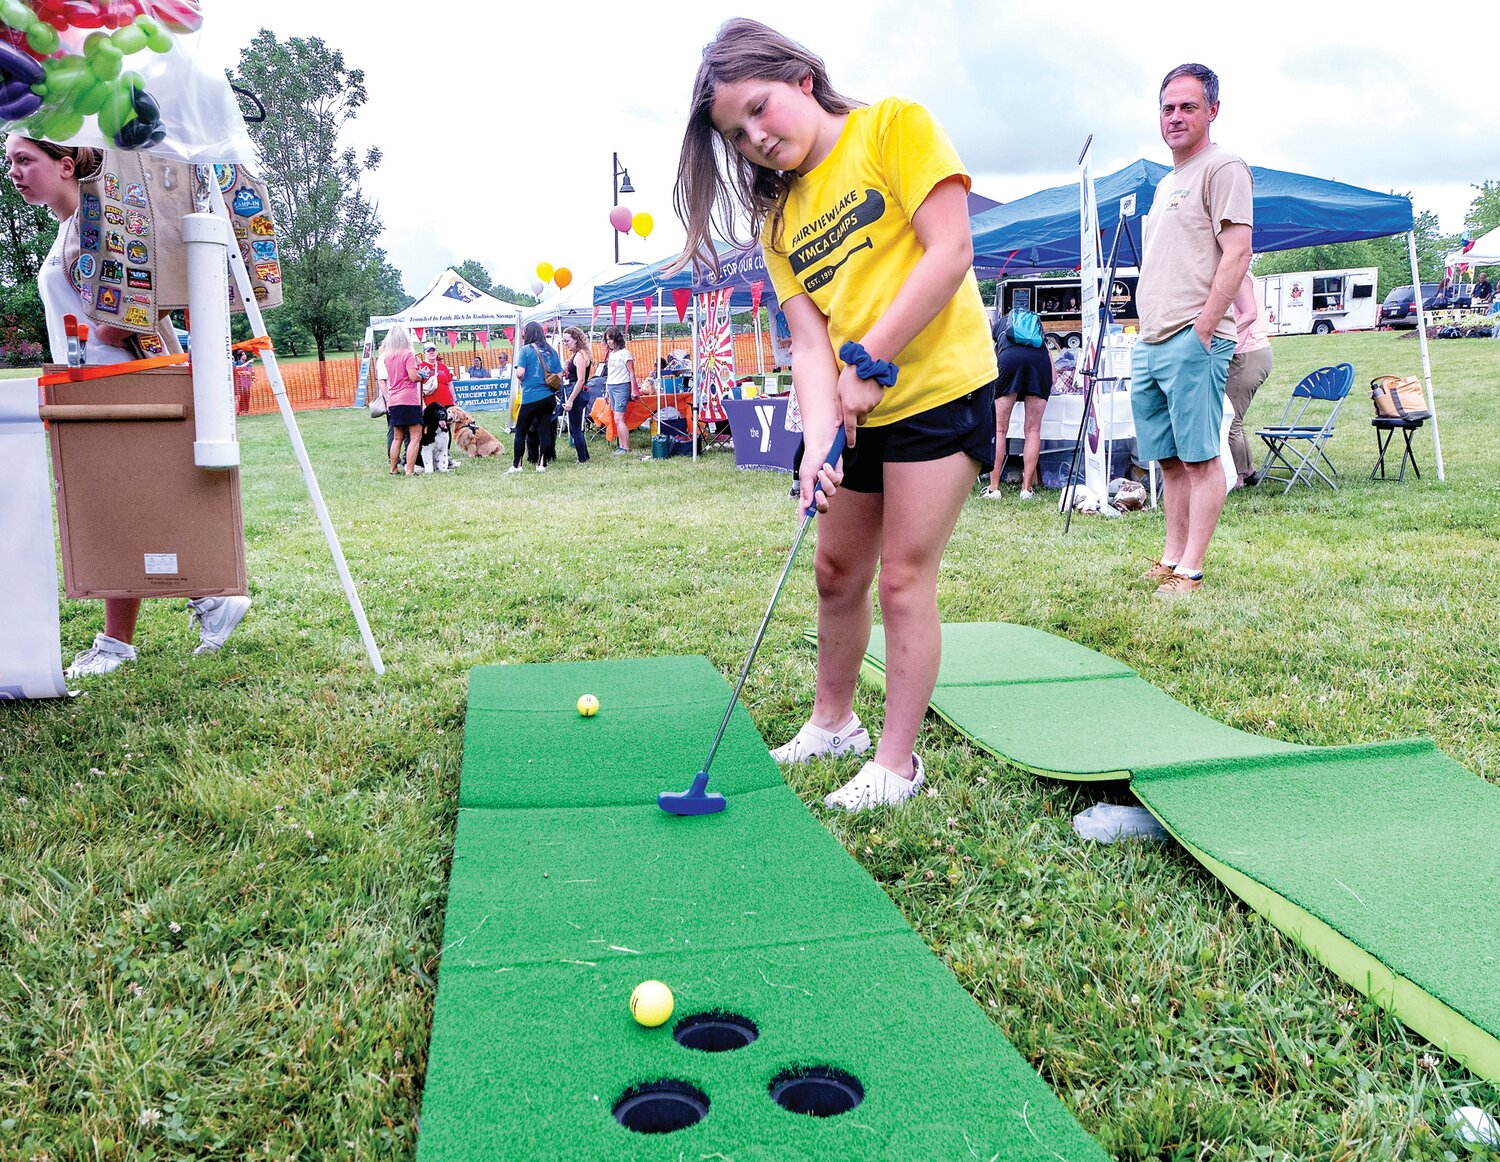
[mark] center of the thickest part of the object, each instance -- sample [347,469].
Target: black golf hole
[659,1107]
[819,1092]
[715,1032]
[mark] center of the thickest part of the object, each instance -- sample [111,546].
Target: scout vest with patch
[124,251]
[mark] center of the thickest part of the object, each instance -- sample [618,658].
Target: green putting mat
[570,886]
[1379,859]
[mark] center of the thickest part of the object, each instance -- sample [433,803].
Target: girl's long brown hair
[716,186]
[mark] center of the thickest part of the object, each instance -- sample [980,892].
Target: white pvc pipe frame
[1416,286]
[278,389]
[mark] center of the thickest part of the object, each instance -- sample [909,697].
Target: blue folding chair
[1298,443]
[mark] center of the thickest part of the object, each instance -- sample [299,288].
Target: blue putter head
[694,801]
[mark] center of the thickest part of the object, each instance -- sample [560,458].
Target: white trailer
[1318,302]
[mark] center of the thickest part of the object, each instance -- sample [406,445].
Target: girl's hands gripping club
[821,472]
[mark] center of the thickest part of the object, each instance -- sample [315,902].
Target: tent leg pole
[278,388]
[1416,282]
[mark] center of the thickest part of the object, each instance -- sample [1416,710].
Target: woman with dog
[534,363]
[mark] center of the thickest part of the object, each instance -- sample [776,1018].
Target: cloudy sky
[498,130]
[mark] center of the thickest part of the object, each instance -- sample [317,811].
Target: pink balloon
[620,218]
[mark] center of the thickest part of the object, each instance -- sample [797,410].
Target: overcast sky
[497,130]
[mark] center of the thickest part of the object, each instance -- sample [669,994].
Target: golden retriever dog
[472,440]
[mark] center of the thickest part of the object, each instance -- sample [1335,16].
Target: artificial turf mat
[1379,859]
[570,886]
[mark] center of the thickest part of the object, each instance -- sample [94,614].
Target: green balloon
[105,62]
[17,15]
[62,124]
[159,41]
[92,99]
[119,108]
[42,38]
[129,39]
[67,74]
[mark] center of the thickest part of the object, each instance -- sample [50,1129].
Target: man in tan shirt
[1197,250]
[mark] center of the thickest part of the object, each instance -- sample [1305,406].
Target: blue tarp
[1040,231]
[737,269]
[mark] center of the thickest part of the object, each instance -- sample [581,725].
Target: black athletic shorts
[965,424]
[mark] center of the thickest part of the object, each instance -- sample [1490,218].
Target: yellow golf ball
[588,706]
[651,1003]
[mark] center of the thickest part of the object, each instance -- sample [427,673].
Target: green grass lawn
[223,878]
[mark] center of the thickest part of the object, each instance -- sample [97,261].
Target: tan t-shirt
[1182,249]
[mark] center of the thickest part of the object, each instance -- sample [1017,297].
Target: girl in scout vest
[45,174]
[862,214]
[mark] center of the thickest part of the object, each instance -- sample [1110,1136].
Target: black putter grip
[840,441]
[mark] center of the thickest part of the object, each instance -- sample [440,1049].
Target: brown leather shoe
[1178,586]
[1158,573]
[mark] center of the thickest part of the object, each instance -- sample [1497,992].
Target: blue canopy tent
[1040,232]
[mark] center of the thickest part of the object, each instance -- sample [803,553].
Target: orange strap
[255,343]
[109,370]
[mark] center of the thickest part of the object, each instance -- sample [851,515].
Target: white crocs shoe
[813,742]
[106,655]
[875,786]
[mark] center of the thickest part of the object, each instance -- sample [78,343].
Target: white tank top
[59,298]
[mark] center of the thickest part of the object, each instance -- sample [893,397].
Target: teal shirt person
[534,384]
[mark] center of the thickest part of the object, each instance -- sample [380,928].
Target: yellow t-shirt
[847,242]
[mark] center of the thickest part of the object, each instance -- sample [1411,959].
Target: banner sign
[482,395]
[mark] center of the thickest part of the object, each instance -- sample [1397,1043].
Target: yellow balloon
[643,224]
[562,276]
[545,272]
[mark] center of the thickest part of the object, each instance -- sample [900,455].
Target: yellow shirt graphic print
[847,242]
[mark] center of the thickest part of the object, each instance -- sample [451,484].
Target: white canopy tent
[1485,251]
[450,302]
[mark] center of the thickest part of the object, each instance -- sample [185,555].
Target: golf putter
[697,799]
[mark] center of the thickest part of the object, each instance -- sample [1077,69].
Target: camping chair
[1299,441]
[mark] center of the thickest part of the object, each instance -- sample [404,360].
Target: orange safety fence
[331,384]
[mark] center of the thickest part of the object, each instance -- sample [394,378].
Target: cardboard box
[138,518]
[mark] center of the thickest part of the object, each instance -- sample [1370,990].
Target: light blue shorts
[619,395]
[1177,396]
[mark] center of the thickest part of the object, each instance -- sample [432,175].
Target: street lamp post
[620,188]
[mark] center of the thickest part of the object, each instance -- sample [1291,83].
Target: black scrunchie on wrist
[866,367]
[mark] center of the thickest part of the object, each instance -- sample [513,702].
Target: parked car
[1400,306]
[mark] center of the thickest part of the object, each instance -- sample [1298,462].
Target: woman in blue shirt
[538,401]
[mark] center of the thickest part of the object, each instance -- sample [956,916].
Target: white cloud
[497,125]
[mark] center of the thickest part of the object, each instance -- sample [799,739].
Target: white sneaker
[990,494]
[541,468]
[517,468]
[216,618]
[875,786]
[104,656]
[814,742]
[1027,494]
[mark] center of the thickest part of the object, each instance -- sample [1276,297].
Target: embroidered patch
[269,272]
[109,300]
[137,223]
[111,271]
[265,251]
[113,215]
[247,202]
[137,252]
[260,225]
[227,175]
[89,237]
[141,300]
[114,242]
[111,186]
[91,208]
[138,279]
[83,268]
[86,295]
[136,317]
[151,344]
[241,231]
[135,194]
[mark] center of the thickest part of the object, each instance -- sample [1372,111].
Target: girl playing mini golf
[862,214]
